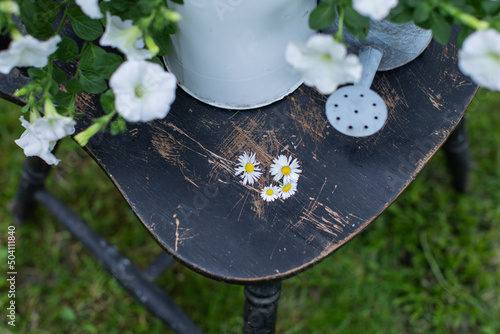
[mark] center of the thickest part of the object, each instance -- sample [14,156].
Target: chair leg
[458,157]
[35,172]
[261,306]
[120,267]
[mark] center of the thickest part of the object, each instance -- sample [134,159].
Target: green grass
[429,264]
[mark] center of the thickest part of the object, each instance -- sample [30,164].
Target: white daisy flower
[323,63]
[288,189]
[270,193]
[247,167]
[286,168]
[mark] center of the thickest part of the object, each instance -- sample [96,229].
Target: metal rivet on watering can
[357,110]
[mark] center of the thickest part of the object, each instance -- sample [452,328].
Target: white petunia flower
[286,168]
[248,168]
[33,145]
[53,128]
[27,51]
[124,36]
[479,58]
[324,63]
[90,8]
[376,10]
[143,90]
[270,193]
[288,189]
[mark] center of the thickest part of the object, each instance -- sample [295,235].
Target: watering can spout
[370,58]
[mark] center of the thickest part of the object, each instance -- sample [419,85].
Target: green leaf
[67,314]
[74,86]
[426,24]
[161,39]
[34,26]
[67,50]
[441,30]
[355,20]
[462,35]
[36,73]
[156,60]
[92,82]
[490,7]
[58,75]
[37,17]
[413,3]
[145,7]
[89,56]
[401,14]
[322,16]
[108,101]
[47,10]
[62,100]
[89,328]
[3,22]
[83,26]
[422,12]
[356,24]
[118,126]
[107,63]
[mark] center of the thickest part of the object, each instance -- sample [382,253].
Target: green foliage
[105,64]
[119,125]
[89,55]
[92,82]
[356,24]
[83,26]
[107,100]
[322,16]
[441,30]
[73,86]
[94,65]
[67,50]
[326,13]
[37,17]
[437,15]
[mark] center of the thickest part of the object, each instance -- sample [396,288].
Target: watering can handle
[370,58]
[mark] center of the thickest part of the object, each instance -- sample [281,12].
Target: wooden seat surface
[177,174]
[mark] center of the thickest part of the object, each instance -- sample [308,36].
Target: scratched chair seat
[178,173]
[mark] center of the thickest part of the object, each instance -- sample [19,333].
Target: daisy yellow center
[287,188]
[269,192]
[286,170]
[249,168]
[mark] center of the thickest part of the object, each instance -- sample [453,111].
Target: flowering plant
[133,83]
[119,42]
[325,64]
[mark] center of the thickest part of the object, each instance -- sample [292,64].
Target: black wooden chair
[177,174]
